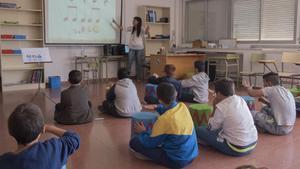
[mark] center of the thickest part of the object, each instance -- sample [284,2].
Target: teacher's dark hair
[138,28]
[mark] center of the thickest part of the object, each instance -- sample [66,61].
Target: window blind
[266,20]
[278,19]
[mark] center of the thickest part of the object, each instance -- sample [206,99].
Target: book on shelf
[37,76]
[8,5]
[152,15]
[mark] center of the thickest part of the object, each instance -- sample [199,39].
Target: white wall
[63,57]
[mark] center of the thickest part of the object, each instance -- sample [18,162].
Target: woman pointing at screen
[136,45]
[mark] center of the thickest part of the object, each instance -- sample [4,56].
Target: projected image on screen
[81,21]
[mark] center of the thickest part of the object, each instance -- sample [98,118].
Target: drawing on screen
[82,19]
[96,12]
[72,12]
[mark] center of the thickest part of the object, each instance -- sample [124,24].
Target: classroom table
[81,63]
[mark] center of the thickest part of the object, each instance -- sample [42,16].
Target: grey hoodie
[127,101]
[199,85]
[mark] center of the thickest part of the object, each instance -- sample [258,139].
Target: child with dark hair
[122,99]
[231,128]
[169,71]
[74,107]
[172,141]
[26,125]
[136,44]
[279,115]
[198,84]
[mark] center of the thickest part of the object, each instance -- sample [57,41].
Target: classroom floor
[104,143]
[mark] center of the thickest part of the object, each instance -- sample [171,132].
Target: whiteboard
[82,21]
[36,55]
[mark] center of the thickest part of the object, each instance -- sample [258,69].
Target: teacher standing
[136,45]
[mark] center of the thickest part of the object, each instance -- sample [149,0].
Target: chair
[223,65]
[289,58]
[87,65]
[255,57]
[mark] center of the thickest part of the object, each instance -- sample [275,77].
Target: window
[264,20]
[195,20]
[206,20]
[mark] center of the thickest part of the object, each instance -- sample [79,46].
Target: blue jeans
[212,138]
[139,57]
[187,95]
[265,122]
[158,155]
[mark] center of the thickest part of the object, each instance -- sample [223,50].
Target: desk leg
[266,66]
[208,68]
[106,70]
[275,67]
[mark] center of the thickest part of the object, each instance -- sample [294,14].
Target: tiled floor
[105,142]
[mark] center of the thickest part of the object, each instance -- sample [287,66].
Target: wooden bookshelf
[15,75]
[157,27]
[21,9]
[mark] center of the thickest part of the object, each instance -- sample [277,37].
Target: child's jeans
[157,154]
[212,139]
[265,122]
[187,95]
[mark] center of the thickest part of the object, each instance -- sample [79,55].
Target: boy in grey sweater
[122,99]
[198,85]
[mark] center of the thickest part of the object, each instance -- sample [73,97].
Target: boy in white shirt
[198,84]
[279,116]
[231,128]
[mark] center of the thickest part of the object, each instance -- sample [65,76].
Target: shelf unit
[21,9]
[15,75]
[152,46]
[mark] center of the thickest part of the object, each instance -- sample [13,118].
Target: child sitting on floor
[279,116]
[231,128]
[172,141]
[74,107]
[169,78]
[26,125]
[122,99]
[198,84]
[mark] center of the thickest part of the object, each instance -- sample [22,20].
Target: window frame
[260,29]
[184,33]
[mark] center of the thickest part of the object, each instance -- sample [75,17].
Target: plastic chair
[255,57]
[223,63]
[289,58]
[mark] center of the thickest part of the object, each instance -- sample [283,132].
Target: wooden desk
[184,63]
[266,62]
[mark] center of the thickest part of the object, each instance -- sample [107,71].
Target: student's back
[51,154]
[126,101]
[199,86]
[282,104]
[169,71]
[76,109]
[26,125]
[238,126]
